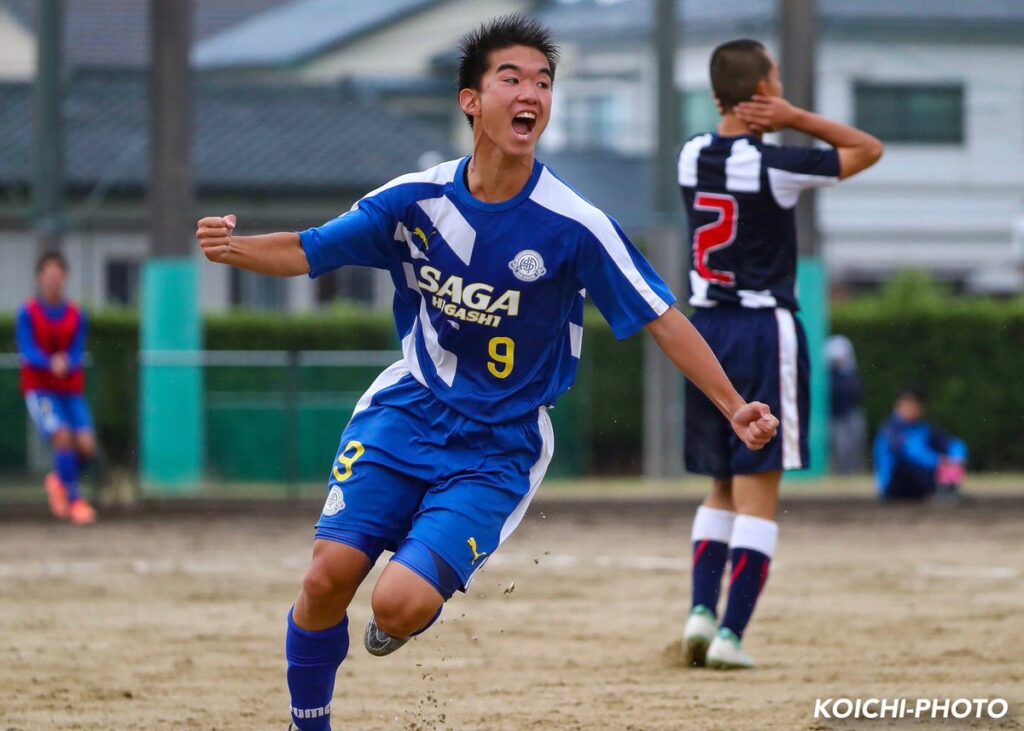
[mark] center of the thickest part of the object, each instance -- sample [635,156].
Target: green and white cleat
[726,652]
[700,630]
[380,643]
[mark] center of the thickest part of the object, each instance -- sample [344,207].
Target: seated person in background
[913,459]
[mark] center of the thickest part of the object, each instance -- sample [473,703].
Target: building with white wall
[940,83]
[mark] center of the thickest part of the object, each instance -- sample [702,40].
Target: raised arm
[857,149]
[753,422]
[277,254]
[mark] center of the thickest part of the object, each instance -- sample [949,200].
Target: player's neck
[494,177]
[733,126]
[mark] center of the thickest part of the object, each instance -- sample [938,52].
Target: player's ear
[469,100]
[718,105]
[764,88]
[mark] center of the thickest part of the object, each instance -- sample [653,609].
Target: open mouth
[523,123]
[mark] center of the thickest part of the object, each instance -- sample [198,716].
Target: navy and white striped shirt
[739,194]
[489,297]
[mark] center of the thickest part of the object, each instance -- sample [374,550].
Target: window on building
[698,113]
[255,291]
[122,282]
[591,122]
[911,113]
[348,284]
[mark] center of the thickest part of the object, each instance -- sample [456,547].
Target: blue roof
[294,32]
[627,20]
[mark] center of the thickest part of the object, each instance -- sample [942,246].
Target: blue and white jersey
[739,194]
[489,297]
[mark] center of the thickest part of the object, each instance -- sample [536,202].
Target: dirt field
[169,621]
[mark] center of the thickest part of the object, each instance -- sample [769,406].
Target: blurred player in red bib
[739,193]
[51,334]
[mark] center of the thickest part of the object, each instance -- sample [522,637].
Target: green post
[812,292]
[171,380]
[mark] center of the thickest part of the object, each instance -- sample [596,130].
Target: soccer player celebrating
[491,256]
[51,337]
[739,194]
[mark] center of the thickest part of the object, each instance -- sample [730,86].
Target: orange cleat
[57,496]
[82,513]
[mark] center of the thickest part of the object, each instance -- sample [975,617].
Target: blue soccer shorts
[52,412]
[442,490]
[764,353]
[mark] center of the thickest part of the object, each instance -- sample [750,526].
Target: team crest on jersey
[335,502]
[528,266]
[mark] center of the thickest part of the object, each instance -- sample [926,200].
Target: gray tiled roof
[618,185]
[293,32]
[115,34]
[248,138]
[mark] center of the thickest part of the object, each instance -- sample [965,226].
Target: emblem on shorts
[528,266]
[472,547]
[335,502]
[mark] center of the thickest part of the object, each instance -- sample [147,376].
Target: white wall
[947,208]
[17,49]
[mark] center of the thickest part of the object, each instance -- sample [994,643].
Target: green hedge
[114,341]
[967,354]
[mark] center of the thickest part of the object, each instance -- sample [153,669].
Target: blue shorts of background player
[65,424]
[51,412]
[439,489]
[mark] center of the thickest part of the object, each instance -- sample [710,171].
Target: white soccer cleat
[700,630]
[726,652]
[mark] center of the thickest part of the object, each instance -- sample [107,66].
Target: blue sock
[749,572]
[750,554]
[65,462]
[712,529]
[313,662]
[709,559]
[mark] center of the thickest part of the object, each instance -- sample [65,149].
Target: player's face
[909,409]
[52,279]
[513,104]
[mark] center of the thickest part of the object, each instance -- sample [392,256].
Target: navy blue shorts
[444,491]
[764,353]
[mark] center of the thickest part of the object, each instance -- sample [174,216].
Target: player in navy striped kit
[491,257]
[739,193]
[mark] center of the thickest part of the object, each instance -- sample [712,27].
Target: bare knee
[62,440]
[329,584]
[402,608]
[319,585]
[85,445]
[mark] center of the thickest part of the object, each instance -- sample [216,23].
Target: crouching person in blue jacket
[913,459]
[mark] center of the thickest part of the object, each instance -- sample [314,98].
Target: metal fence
[272,418]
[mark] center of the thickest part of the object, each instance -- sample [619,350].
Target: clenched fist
[214,234]
[755,425]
